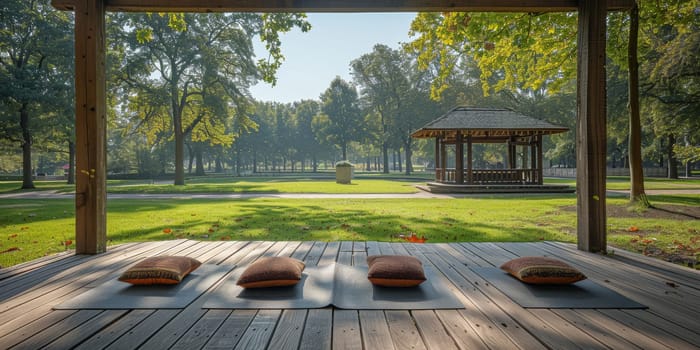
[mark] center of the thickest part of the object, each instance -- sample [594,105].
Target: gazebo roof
[486,123]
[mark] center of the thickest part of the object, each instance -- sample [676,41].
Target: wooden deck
[490,320]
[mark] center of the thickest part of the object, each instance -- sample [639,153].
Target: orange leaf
[167,230]
[68,242]
[633,228]
[10,250]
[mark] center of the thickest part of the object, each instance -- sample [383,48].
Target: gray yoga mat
[314,290]
[345,287]
[354,291]
[584,294]
[115,294]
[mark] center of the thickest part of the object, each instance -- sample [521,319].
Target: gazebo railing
[489,176]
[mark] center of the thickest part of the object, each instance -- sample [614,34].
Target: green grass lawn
[623,183]
[364,183]
[238,185]
[41,227]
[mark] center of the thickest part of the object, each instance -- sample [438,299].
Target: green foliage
[186,76]
[36,78]
[512,51]
[340,107]
[687,154]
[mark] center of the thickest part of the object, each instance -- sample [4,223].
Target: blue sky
[315,58]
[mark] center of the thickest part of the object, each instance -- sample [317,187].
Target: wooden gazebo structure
[91,103]
[467,125]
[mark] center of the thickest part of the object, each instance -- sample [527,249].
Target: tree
[637,194]
[202,59]
[308,145]
[34,42]
[382,77]
[343,119]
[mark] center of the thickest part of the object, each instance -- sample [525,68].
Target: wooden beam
[470,160]
[341,5]
[437,157]
[591,129]
[90,128]
[459,159]
[540,160]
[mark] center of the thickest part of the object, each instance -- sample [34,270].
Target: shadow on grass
[270,220]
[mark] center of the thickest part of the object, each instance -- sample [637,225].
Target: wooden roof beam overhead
[342,5]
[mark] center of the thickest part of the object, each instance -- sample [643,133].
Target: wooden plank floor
[490,320]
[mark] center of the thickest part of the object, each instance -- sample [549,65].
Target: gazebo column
[90,128]
[532,178]
[591,130]
[470,172]
[459,159]
[511,153]
[540,160]
[443,160]
[438,177]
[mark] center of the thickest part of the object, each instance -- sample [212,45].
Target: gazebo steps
[437,187]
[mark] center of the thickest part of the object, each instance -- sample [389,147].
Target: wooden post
[532,174]
[540,160]
[591,127]
[459,159]
[90,128]
[470,170]
[437,157]
[443,160]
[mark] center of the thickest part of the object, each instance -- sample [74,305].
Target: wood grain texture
[591,127]
[489,320]
[346,330]
[340,5]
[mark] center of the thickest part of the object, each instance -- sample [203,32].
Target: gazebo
[469,125]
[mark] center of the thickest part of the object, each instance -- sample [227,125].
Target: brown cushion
[395,270]
[160,270]
[276,271]
[542,270]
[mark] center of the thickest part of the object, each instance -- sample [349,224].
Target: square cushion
[278,271]
[160,270]
[542,270]
[395,271]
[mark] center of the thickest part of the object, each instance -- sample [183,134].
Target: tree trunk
[385,155]
[199,171]
[27,175]
[637,194]
[219,167]
[398,159]
[409,154]
[190,163]
[345,151]
[238,161]
[179,152]
[71,163]
[672,161]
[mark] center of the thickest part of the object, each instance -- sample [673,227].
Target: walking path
[419,194]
